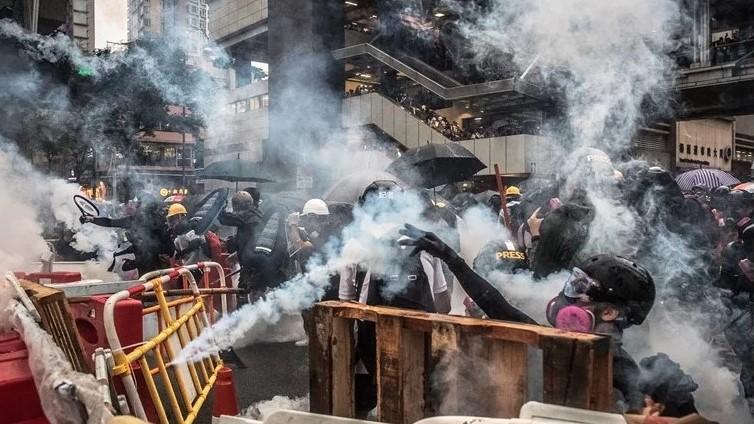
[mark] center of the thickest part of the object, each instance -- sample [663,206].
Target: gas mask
[574,310]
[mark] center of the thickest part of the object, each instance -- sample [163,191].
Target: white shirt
[432,268]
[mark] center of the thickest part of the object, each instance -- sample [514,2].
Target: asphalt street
[271,369]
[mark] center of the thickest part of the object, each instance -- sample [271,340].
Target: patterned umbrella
[708,178]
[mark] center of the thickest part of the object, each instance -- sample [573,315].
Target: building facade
[714,79]
[72,17]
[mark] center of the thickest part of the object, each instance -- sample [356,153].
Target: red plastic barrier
[54,277]
[89,320]
[18,393]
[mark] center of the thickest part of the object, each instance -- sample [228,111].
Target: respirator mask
[568,311]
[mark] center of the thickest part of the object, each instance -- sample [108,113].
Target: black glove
[428,242]
[84,219]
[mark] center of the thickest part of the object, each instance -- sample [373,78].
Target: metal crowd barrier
[194,380]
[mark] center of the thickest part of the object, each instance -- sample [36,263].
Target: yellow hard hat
[176,209]
[512,191]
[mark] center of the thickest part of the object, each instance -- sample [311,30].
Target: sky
[109,21]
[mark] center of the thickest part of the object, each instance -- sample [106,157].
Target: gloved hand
[428,242]
[85,219]
[294,219]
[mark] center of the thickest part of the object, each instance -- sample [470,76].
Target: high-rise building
[168,158]
[73,17]
[185,18]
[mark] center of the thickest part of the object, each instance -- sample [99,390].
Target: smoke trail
[369,242]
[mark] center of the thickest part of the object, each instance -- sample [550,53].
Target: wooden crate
[52,306]
[411,345]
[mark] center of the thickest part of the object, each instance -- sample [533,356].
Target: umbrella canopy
[708,178]
[349,188]
[749,187]
[208,209]
[433,165]
[235,170]
[176,198]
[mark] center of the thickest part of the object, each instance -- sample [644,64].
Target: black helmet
[721,191]
[500,255]
[622,282]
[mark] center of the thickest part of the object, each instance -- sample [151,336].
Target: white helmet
[315,207]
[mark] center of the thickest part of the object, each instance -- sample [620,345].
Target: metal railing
[194,379]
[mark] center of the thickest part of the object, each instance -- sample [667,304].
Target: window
[265,100]
[709,151]
[696,150]
[254,103]
[169,156]
[680,148]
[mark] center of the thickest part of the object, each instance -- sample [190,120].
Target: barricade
[56,319]
[185,386]
[411,345]
[88,315]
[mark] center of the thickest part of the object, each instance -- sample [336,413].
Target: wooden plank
[445,349]
[342,346]
[568,373]
[556,358]
[415,379]
[509,372]
[389,399]
[423,321]
[320,362]
[401,376]
[602,385]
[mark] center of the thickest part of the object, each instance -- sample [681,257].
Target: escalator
[514,90]
[516,154]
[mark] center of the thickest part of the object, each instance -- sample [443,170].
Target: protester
[146,231]
[245,217]
[605,294]
[190,247]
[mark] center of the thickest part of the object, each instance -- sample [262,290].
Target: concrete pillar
[305,84]
[702,33]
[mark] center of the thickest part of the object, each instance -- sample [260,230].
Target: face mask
[570,317]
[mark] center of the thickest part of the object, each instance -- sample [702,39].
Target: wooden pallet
[52,306]
[494,356]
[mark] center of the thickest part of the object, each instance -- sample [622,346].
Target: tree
[70,107]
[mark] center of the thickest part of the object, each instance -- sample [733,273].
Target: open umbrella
[349,188]
[235,170]
[705,177]
[748,186]
[208,209]
[433,165]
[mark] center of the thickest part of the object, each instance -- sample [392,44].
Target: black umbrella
[208,209]
[433,165]
[235,170]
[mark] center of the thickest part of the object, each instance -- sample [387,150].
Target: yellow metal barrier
[193,380]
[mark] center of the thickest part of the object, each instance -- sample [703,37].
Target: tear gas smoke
[31,89]
[263,409]
[607,61]
[370,241]
[26,195]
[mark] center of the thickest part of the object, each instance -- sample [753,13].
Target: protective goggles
[578,285]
